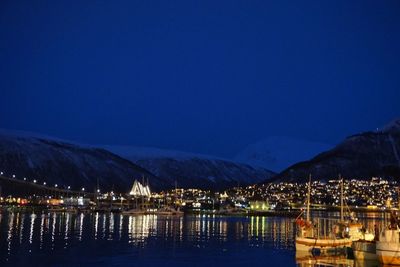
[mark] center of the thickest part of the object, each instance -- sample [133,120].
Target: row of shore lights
[45,184]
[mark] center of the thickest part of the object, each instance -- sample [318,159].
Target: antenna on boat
[341,198]
[142,193]
[308,199]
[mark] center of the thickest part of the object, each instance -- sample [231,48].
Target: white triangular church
[138,190]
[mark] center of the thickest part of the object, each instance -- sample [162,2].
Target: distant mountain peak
[393,126]
[361,156]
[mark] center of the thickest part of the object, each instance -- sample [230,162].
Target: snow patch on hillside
[393,126]
[14,135]
[139,153]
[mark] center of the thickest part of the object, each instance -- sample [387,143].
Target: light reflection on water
[67,239]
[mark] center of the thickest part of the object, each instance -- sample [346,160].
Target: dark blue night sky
[200,76]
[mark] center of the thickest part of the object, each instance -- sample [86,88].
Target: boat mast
[398,197]
[142,193]
[341,198]
[308,199]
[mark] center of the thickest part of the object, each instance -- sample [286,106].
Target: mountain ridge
[188,167]
[56,161]
[359,156]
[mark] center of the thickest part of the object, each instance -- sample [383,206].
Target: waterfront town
[372,194]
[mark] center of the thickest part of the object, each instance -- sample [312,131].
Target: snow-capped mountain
[56,161]
[393,126]
[192,170]
[365,155]
[277,152]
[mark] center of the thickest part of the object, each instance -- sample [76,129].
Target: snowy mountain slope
[365,155]
[136,153]
[277,153]
[393,126]
[192,170]
[55,161]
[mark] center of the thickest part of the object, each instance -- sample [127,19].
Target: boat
[364,250]
[322,243]
[165,211]
[134,212]
[388,245]
[341,237]
[168,211]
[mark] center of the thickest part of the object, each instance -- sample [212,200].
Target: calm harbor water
[66,239]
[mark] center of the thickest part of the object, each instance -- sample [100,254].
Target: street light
[1,173]
[24,178]
[56,185]
[44,183]
[34,181]
[69,187]
[13,175]
[83,189]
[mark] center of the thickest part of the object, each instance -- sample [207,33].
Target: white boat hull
[388,252]
[308,244]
